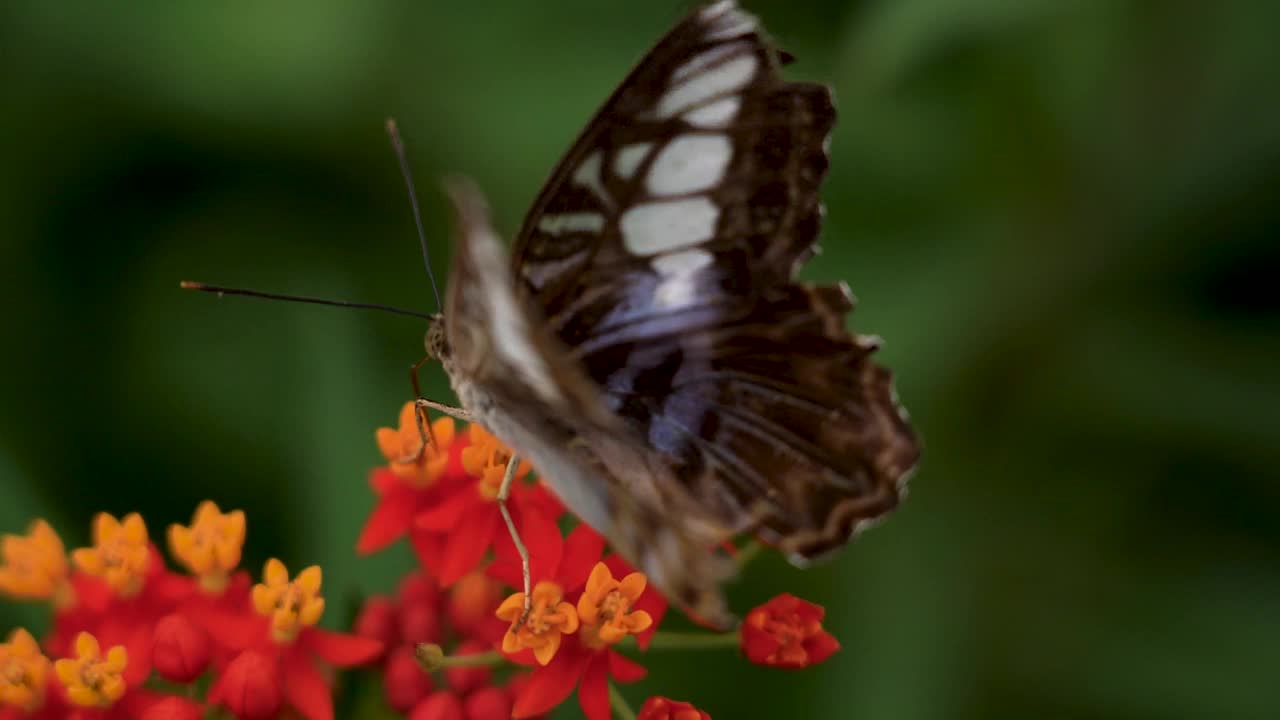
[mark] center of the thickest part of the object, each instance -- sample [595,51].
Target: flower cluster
[585,605]
[121,618]
[459,639]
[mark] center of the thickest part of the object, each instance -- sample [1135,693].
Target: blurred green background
[1060,215]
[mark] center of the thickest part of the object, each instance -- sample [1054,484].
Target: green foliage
[1061,216]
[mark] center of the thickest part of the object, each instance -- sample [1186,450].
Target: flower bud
[180,649]
[440,706]
[404,682]
[173,708]
[488,703]
[465,679]
[250,686]
[379,620]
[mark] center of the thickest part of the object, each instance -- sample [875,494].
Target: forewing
[663,252]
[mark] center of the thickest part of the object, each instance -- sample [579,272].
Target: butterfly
[647,346]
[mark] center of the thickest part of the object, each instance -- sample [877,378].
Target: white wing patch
[658,227]
[707,58]
[588,175]
[690,163]
[715,115]
[571,223]
[629,158]
[678,270]
[707,85]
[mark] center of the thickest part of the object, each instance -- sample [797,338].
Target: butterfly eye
[435,341]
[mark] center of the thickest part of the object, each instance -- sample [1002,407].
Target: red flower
[290,640]
[660,708]
[468,516]
[787,632]
[180,649]
[250,686]
[440,706]
[405,489]
[576,662]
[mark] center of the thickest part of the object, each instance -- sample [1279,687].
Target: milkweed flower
[290,604]
[660,708]
[24,672]
[34,566]
[540,629]
[566,565]
[787,632]
[468,515]
[120,554]
[286,638]
[404,488]
[210,547]
[605,607]
[90,678]
[402,446]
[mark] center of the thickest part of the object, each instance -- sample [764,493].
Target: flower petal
[549,685]
[305,688]
[389,520]
[582,550]
[547,650]
[624,669]
[593,691]
[340,649]
[275,573]
[541,536]
[310,579]
[446,516]
[467,546]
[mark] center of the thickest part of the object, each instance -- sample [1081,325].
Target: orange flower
[401,447]
[486,458]
[90,679]
[210,548]
[548,619]
[24,672]
[605,607]
[290,605]
[34,566]
[120,554]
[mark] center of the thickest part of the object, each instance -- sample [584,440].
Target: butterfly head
[436,340]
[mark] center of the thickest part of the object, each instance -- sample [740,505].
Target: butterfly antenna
[220,291]
[393,131]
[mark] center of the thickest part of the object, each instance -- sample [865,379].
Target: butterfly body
[647,347]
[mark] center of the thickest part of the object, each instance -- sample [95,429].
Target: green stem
[620,705]
[693,641]
[431,658]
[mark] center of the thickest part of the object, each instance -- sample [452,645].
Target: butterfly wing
[662,253]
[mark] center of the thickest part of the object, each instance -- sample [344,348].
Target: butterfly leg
[504,491]
[421,405]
